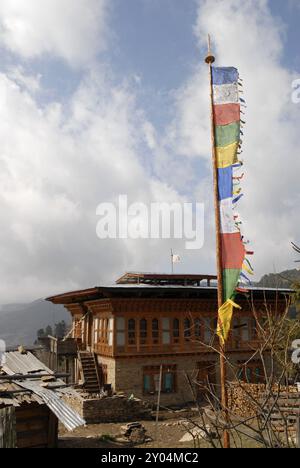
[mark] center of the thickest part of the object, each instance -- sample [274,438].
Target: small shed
[35,392]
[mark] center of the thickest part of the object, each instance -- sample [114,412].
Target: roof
[155,285]
[12,394]
[150,291]
[19,363]
[165,279]
[29,386]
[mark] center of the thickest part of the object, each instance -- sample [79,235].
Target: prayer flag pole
[210,59]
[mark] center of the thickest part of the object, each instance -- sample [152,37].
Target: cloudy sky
[106,97]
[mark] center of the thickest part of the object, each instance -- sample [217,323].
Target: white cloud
[74,30]
[55,170]
[246,35]
[30,82]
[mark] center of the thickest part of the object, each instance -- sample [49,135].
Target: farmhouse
[151,331]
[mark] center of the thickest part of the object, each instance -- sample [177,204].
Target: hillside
[19,322]
[285,279]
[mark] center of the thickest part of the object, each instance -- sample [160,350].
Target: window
[198,329]
[96,330]
[131,332]
[253,331]
[208,331]
[151,377]
[121,340]
[110,332]
[187,329]
[101,331]
[143,332]
[105,330]
[155,331]
[251,372]
[245,329]
[236,329]
[166,337]
[176,331]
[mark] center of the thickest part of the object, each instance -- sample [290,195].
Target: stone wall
[110,409]
[129,377]
[126,374]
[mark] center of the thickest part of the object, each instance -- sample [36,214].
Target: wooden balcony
[183,347]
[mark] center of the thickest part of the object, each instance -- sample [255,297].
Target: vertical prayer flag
[227,131]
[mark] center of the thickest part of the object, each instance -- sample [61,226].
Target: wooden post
[158,400]
[223,368]
[8,437]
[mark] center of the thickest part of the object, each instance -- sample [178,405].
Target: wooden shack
[31,403]
[34,424]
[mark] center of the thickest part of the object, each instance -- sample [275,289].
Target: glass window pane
[187,328]
[207,331]
[245,330]
[176,328]
[147,383]
[131,332]
[236,328]
[169,379]
[155,331]
[198,328]
[166,338]
[166,324]
[121,339]
[110,338]
[120,323]
[143,331]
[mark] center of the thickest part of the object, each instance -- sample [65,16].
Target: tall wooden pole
[223,368]
[158,400]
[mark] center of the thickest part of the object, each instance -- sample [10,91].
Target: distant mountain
[19,323]
[285,279]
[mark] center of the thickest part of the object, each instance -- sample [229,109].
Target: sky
[106,97]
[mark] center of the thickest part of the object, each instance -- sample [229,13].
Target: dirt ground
[168,435]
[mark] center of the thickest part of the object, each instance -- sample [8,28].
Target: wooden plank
[298,432]
[7,428]
[32,439]
[32,425]
[52,431]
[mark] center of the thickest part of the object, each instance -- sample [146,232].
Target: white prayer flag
[176,258]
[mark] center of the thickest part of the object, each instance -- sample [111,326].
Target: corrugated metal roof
[27,363]
[68,417]
[18,363]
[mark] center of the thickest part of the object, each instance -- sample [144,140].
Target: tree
[40,333]
[48,331]
[60,330]
[261,414]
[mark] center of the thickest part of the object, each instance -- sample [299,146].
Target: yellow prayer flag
[227,155]
[225,318]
